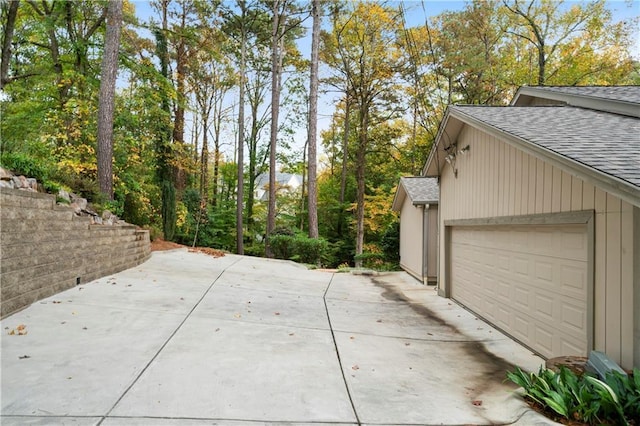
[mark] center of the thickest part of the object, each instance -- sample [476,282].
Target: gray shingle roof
[608,143]
[421,190]
[618,93]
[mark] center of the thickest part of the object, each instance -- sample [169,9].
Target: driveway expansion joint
[337,351]
[166,341]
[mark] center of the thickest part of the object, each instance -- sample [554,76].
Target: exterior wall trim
[636,287]
[577,217]
[425,240]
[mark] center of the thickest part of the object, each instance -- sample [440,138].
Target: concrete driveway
[188,339]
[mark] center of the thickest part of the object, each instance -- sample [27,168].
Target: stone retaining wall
[45,248]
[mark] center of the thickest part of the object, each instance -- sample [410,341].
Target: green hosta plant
[583,398]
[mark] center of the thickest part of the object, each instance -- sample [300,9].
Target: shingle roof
[608,143]
[618,93]
[421,190]
[282,179]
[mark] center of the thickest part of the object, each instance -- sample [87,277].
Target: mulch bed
[161,245]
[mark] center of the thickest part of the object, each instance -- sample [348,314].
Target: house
[416,200]
[539,229]
[285,182]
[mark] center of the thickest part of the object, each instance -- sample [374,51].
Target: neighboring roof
[616,99]
[283,179]
[421,191]
[599,146]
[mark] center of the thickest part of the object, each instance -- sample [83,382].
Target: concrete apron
[187,339]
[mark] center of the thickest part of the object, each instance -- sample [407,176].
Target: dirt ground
[159,245]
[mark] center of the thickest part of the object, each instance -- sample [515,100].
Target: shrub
[583,398]
[310,250]
[299,248]
[24,164]
[281,246]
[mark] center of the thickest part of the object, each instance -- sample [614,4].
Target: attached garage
[530,281]
[539,217]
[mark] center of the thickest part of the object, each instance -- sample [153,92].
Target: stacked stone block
[45,248]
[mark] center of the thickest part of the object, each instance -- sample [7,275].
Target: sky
[416,14]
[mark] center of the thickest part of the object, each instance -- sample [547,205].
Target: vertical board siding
[411,233]
[613,276]
[496,179]
[626,270]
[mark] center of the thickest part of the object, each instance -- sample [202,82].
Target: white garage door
[530,281]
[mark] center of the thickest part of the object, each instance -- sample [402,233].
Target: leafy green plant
[627,388]
[583,398]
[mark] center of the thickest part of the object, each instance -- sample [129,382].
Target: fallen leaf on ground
[20,330]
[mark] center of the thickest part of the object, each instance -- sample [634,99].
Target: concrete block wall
[46,248]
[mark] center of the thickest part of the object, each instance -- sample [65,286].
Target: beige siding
[432,242]
[411,238]
[495,179]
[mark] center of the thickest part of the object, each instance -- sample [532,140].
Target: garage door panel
[530,281]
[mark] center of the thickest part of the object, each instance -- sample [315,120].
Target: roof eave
[449,129]
[583,101]
[399,197]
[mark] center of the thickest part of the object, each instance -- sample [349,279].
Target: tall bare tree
[107,98]
[313,121]
[9,14]
[240,191]
[276,73]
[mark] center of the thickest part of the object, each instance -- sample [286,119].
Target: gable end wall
[496,179]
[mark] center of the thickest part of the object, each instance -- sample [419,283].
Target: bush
[390,243]
[24,164]
[583,398]
[310,250]
[299,248]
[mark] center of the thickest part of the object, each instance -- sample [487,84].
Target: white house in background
[539,229]
[416,200]
[286,182]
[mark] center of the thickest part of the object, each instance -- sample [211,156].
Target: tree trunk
[360,175]
[275,109]
[204,159]
[106,101]
[313,122]
[240,191]
[345,158]
[7,39]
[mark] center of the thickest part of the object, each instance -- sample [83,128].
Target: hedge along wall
[45,248]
